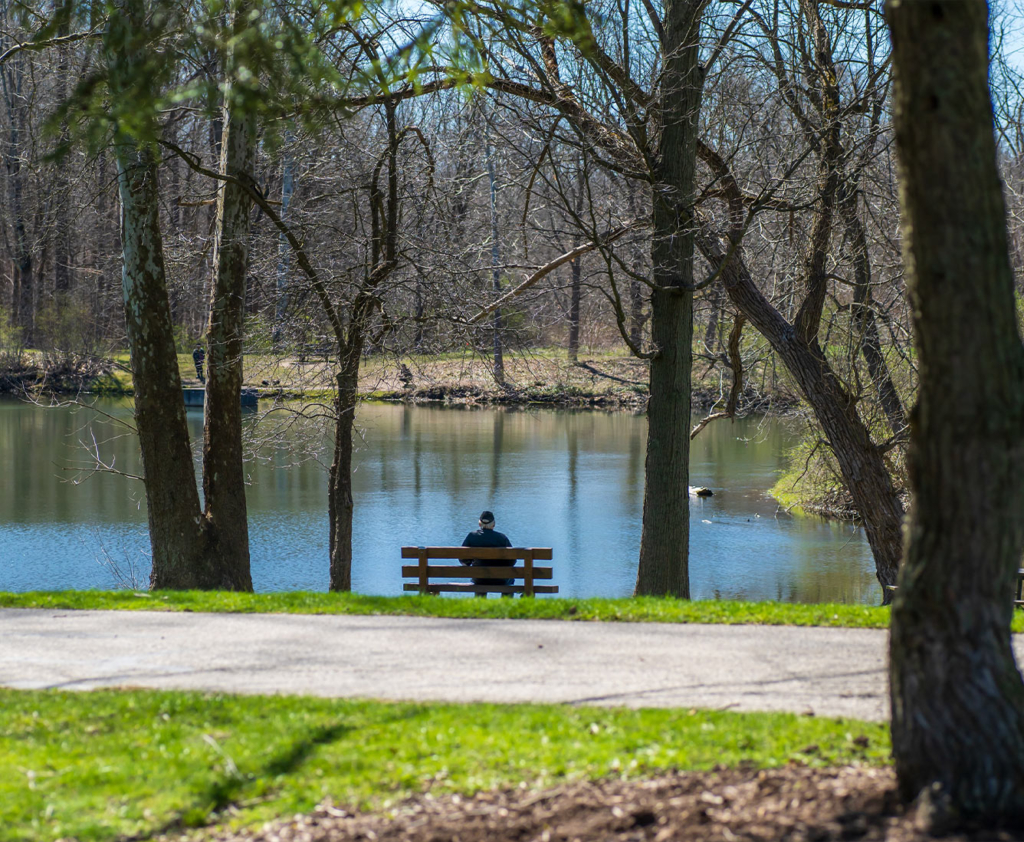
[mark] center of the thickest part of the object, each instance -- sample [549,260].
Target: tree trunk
[284,251]
[340,502]
[188,545]
[417,341]
[664,542]
[223,468]
[636,313]
[24,286]
[864,319]
[492,176]
[172,498]
[576,272]
[384,205]
[574,309]
[712,337]
[62,246]
[957,697]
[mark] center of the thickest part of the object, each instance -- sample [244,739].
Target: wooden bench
[424,572]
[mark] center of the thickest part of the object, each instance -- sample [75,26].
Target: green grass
[110,764]
[627,610]
[630,610]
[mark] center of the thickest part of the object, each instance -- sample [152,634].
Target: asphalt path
[822,671]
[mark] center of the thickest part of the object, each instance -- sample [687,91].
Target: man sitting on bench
[487,536]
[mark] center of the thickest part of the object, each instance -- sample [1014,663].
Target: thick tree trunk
[664,542]
[957,697]
[223,469]
[172,498]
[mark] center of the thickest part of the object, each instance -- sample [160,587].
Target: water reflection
[569,480]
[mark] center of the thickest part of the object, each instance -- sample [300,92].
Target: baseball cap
[486,517]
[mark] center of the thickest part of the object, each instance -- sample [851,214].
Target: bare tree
[193,547]
[820,120]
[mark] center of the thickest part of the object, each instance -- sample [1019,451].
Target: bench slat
[482,553]
[460,572]
[453,587]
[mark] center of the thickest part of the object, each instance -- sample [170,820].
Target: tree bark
[957,697]
[223,468]
[664,542]
[340,503]
[190,547]
[172,498]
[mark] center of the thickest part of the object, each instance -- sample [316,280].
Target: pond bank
[599,381]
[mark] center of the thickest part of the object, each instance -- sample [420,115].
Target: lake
[571,480]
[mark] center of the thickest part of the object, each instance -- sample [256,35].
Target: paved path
[830,672]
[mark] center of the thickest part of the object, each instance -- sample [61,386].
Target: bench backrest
[424,571]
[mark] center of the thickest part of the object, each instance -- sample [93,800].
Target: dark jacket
[487,538]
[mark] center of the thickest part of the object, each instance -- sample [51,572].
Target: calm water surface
[569,480]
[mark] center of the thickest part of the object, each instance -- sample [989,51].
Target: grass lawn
[631,610]
[108,764]
[626,610]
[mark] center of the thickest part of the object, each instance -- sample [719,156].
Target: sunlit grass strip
[108,764]
[631,610]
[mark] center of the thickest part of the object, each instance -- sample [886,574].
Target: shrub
[72,352]
[12,345]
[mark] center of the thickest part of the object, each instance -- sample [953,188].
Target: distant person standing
[487,536]
[199,358]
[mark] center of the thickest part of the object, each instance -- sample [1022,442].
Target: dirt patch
[793,803]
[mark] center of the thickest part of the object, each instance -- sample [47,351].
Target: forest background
[431,202]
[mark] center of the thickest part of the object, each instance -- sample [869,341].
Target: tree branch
[606,239]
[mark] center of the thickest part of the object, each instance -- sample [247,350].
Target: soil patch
[793,803]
